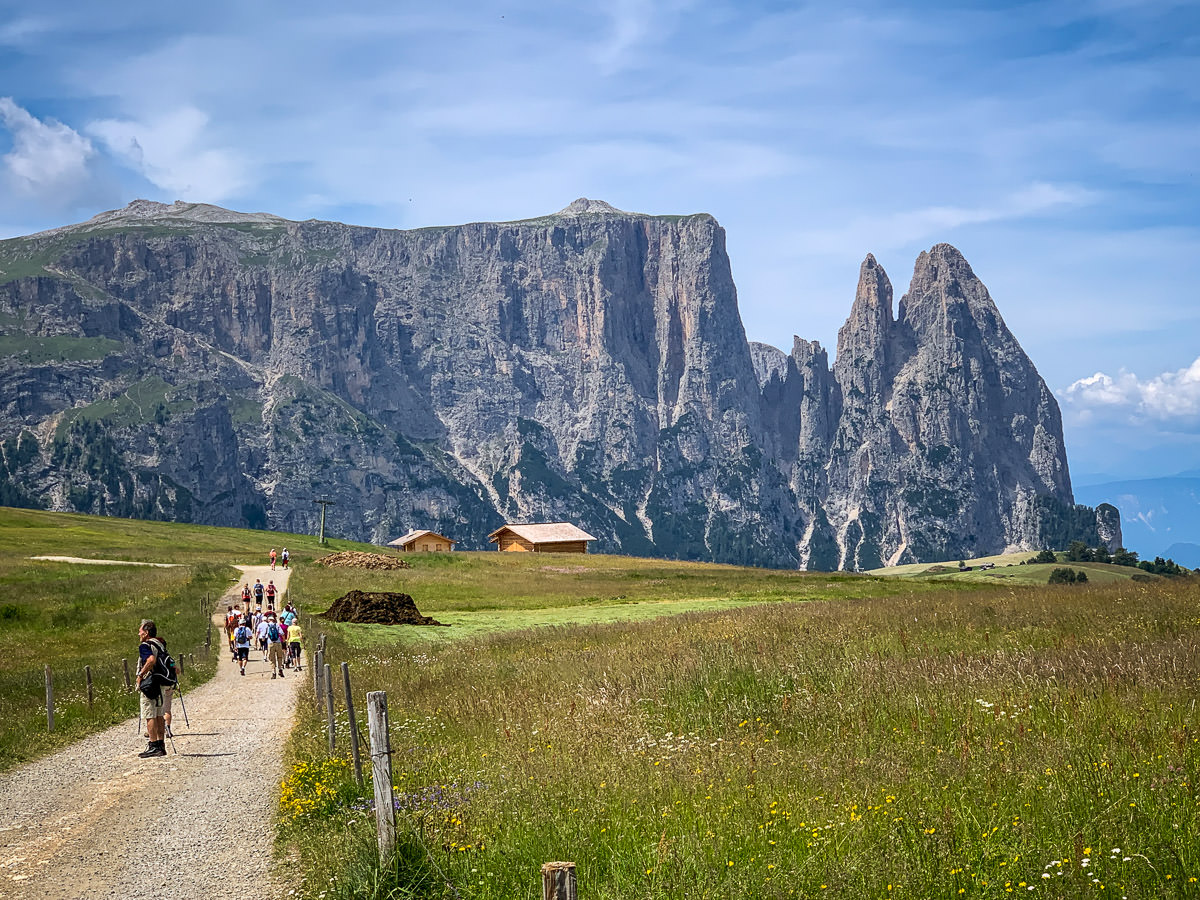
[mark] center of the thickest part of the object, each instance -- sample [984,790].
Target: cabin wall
[510,542]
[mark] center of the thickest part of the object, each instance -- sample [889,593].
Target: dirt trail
[94,821]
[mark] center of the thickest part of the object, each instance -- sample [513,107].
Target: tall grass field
[781,736]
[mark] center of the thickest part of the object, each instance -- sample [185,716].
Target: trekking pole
[182,706]
[171,738]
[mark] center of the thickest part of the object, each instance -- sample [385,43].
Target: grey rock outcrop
[182,361]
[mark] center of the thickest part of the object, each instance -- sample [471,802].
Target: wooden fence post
[558,881]
[208,637]
[49,700]
[381,771]
[125,666]
[354,753]
[329,707]
[318,668]
[179,664]
[87,674]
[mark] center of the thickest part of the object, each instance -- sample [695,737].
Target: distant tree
[1063,575]
[1081,577]
[1125,557]
[1078,551]
[1046,556]
[1101,555]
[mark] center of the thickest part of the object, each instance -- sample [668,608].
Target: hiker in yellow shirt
[294,637]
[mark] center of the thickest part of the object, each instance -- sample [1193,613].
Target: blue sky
[1056,144]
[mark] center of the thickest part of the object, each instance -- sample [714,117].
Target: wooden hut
[553,537]
[423,542]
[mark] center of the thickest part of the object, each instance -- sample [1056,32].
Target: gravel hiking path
[94,821]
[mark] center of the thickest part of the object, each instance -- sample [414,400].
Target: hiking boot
[272,676]
[281,674]
[242,672]
[153,750]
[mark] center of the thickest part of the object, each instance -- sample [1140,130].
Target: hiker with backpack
[260,635]
[285,557]
[271,592]
[274,646]
[155,671]
[294,636]
[242,636]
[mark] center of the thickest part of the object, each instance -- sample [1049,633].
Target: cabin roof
[413,535]
[544,533]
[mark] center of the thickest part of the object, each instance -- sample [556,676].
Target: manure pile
[377,608]
[355,559]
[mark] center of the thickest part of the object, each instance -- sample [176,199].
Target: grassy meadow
[782,735]
[678,730]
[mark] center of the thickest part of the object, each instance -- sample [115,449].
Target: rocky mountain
[192,363]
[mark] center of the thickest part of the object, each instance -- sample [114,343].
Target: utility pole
[323,504]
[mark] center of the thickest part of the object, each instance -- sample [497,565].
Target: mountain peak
[181,213]
[585,207]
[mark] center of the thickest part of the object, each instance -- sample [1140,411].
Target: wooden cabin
[553,537]
[423,542]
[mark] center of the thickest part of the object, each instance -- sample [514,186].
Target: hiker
[242,636]
[294,637]
[231,624]
[271,591]
[272,559]
[285,557]
[274,647]
[260,632]
[246,595]
[289,615]
[150,649]
[258,592]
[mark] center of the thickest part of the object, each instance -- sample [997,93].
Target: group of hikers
[283,558]
[276,635]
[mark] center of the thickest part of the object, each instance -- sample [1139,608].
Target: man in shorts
[149,650]
[274,646]
[241,643]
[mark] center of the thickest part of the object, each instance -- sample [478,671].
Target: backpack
[258,590]
[242,635]
[273,633]
[164,674]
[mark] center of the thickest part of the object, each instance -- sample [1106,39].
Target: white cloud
[173,151]
[48,161]
[1172,398]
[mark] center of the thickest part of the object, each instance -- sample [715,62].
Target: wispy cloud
[48,161]
[897,229]
[1171,399]
[173,152]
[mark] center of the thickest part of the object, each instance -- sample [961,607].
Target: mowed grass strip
[1021,741]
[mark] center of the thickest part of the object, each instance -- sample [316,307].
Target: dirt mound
[377,608]
[355,559]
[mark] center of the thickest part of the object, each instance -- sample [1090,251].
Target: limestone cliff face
[195,363]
